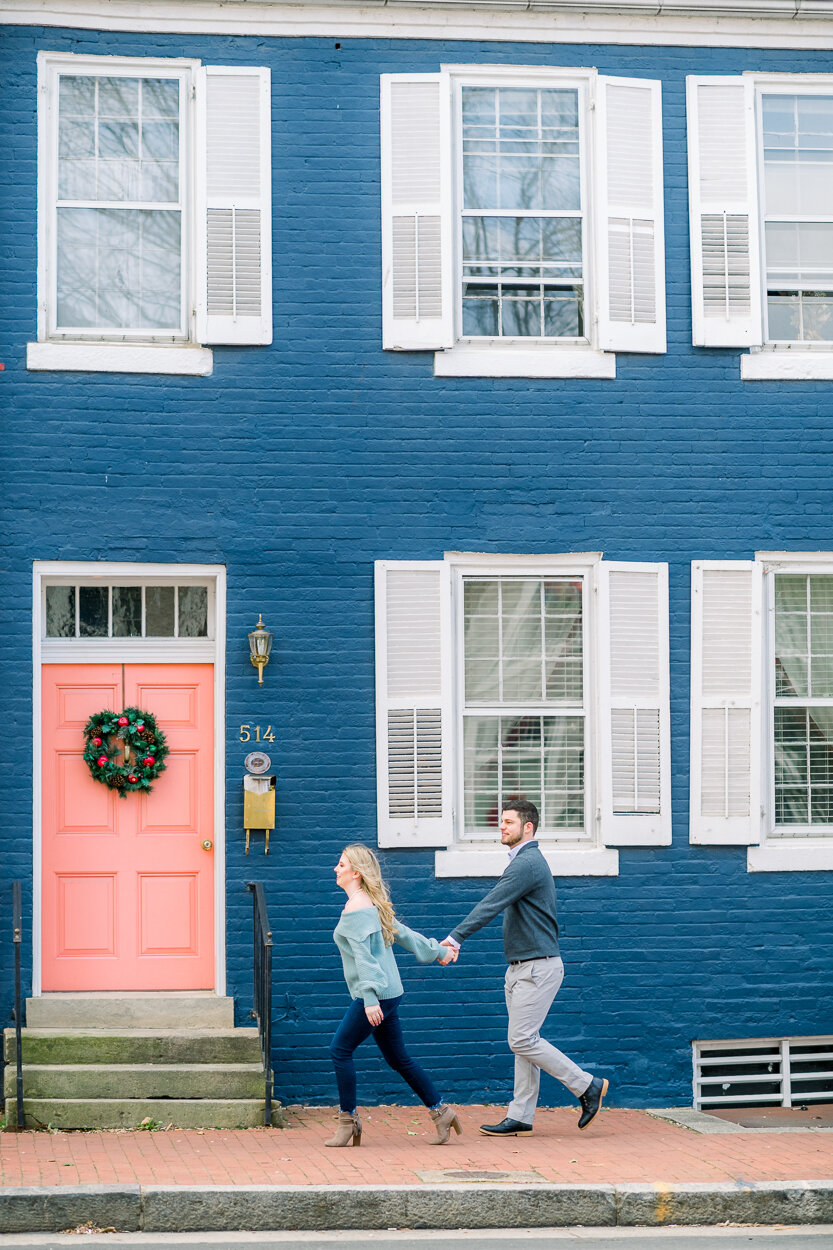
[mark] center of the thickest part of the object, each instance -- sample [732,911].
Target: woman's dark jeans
[353,1030]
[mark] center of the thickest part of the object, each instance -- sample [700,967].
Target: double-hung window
[121,219]
[522,219]
[796,142]
[523,702]
[521,197]
[507,676]
[154,187]
[762,708]
[761,190]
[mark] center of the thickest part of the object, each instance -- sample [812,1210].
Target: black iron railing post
[17,921]
[262,986]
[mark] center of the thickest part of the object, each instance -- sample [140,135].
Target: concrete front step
[197,1009]
[152,1080]
[109,1046]
[66,1113]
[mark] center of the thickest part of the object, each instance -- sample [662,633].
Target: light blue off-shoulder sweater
[369,966]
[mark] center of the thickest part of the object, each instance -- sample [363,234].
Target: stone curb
[258,1208]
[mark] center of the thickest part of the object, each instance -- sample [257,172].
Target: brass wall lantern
[260,644]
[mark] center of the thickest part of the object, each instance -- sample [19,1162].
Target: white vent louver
[777,1072]
[727,290]
[415,763]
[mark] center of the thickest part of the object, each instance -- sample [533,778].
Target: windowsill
[786,363]
[495,359]
[120,358]
[793,855]
[563,861]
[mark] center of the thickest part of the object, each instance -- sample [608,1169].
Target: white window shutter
[629,217]
[413,703]
[417,277]
[726,680]
[234,205]
[723,203]
[634,696]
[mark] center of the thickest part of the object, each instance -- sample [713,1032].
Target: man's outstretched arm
[512,885]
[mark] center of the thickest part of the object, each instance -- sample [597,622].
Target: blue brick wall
[300,464]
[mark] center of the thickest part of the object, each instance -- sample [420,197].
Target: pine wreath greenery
[106,734]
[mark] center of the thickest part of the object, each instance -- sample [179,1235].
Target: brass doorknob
[207,844]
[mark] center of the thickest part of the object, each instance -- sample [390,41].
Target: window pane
[118,139]
[159,611]
[546,253]
[803,766]
[193,612]
[127,611]
[540,757]
[523,641]
[93,611]
[118,269]
[60,611]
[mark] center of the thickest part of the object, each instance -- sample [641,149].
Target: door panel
[128,891]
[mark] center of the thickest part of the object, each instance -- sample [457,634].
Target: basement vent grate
[772,1071]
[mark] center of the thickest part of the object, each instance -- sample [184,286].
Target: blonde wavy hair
[362,860]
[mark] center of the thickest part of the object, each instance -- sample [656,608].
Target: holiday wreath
[125,750]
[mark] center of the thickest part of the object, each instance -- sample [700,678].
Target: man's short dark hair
[527,812]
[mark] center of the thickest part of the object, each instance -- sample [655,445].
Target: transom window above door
[93,610]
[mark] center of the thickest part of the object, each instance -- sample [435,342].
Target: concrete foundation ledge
[327,1207]
[258,1208]
[762,1202]
[50,1209]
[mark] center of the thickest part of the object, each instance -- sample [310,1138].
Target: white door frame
[137,650]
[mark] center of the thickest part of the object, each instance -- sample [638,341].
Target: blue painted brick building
[192,440]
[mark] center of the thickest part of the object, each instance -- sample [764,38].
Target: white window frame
[528,357]
[131,650]
[779,359]
[129,351]
[783,853]
[588,857]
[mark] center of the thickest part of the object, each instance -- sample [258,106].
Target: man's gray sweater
[526,896]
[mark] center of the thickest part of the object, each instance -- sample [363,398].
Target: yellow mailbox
[258,797]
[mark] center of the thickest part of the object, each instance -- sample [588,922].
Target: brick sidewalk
[621,1147]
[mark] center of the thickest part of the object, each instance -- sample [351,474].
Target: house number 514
[246,733]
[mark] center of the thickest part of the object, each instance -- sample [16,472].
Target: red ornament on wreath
[115,750]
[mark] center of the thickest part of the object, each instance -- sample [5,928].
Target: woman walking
[364,936]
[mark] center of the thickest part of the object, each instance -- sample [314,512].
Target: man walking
[526,895]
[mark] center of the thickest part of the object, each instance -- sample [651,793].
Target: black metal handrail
[262,963]
[17,923]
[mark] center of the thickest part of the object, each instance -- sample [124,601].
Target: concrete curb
[258,1208]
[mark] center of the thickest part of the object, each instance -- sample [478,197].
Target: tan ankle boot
[349,1126]
[445,1118]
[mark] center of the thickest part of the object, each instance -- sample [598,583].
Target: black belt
[514,962]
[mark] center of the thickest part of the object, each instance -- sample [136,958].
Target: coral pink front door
[128,888]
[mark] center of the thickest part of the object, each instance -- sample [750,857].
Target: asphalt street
[747,1238]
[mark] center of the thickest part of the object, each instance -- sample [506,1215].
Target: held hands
[451,953]
[374,1014]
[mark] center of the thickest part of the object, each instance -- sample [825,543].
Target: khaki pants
[531,987]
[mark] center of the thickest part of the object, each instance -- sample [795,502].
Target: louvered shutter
[631,244]
[413,703]
[634,721]
[417,279]
[723,200]
[233,210]
[726,641]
